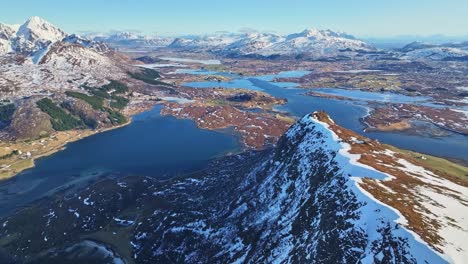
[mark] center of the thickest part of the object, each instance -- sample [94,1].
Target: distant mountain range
[448,51]
[125,38]
[35,37]
[313,43]
[310,41]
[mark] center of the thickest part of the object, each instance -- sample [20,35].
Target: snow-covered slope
[63,54]
[97,46]
[448,51]
[7,32]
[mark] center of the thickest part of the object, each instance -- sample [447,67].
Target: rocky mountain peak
[36,34]
[36,28]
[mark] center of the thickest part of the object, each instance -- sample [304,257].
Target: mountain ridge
[307,200]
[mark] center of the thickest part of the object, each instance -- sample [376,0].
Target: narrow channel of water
[347,113]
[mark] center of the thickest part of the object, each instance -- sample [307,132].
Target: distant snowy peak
[207,42]
[36,38]
[35,34]
[132,39]
[317,42]
[126,35]
[438,53]
[316,33]
[447,51]
[37,28]
[417,45]
[311,41]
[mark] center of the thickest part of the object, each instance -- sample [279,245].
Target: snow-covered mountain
[318,42]
[311,41]
[127,39]
[35,37]
[324,195]
[36,34]
[448,51]
[38,56]
[206,42]
[254,43]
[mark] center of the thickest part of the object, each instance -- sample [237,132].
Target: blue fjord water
[152,145]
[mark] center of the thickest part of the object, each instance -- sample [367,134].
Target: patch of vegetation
[117,87]
[118,102]
[7,156]
[148,76]
[215,67]
[89,122]
[98,97]
[94,101]
[6,113]
[99,92]
[438,164]
[115,117]
[243,97]
[60,119]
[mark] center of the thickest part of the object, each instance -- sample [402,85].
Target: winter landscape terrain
[308,147]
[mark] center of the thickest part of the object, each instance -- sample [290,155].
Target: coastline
[63,137]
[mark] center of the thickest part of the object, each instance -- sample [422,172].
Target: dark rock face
[242,97]
[290,204]
[148,59]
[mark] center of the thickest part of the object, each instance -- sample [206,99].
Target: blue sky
[364,18]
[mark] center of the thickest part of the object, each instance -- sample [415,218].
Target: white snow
[373,208]
[187,60]
[357,71]
[87,201]
[177,99]
[161,65]
[38,55]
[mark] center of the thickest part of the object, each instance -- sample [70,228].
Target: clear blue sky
[365,18]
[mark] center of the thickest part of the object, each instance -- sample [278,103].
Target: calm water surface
[152,145]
